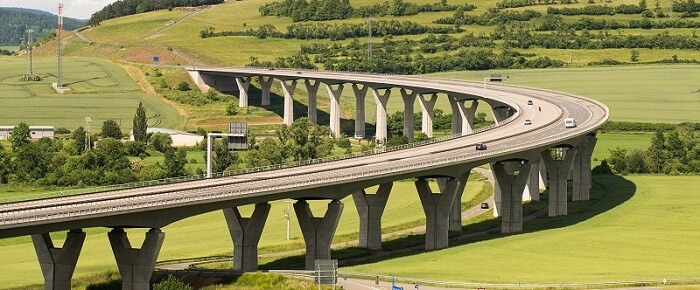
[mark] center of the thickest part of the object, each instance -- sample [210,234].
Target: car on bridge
[480,146]
[528,122]
[569,123]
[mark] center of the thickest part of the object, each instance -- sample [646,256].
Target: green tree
[20,136]
[231,108]
[182,86]
[223,158]
[110,129]
[175,161]
[6,168]
[161,141]
[171,283]
[79,140]
[140,124]
[634,55]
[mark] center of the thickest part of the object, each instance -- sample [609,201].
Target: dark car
[480,146]
[529,102]
[485,205]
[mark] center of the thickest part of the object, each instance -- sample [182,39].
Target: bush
[182,86]
[171,283]
[161,141]
[231,108]
[62,130]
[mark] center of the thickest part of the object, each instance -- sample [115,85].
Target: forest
[14,23]
[131,7]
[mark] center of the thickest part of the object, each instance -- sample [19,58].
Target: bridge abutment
[437,209]
[427,106]
[245,233]
[370,208]
[511,177]
[318,232]
[58,264]
[136,265]
[582,168]
[558,162]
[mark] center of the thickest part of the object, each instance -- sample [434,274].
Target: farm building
[35,132]
[180,139]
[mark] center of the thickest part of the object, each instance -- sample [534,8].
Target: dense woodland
[14,23]
[131,7]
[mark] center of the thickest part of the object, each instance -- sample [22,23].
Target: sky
[81,9]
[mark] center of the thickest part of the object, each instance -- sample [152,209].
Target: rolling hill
[14,23]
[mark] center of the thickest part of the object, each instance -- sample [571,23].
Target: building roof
[168,131]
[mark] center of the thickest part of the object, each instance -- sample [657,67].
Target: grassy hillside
[99,89]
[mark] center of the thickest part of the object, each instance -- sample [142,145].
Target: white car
[528,122]
[569,123]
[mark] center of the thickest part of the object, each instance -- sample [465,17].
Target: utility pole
[59,83]
[287,217]
[369,40]
[29,76]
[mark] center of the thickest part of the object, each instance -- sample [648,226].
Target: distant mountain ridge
[14,23]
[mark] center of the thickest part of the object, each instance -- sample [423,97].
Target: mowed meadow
[100,90]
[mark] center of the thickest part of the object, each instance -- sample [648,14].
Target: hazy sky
[81,9]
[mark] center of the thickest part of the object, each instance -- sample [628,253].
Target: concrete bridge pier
[288,90]
[370,208]
[511,176]
[456,210]
[58,264]
[558,162]
[245,233]
[360,95]
[335,94]
[437,207]
[427,106]
[501,113]
[243,84]
[312,88]
[382,100]
[265,86]
[462,117]
[534,182]
[582,168]
[318,232]
[408,114]
[136,265]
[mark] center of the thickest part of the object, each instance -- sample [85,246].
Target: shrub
[182,86]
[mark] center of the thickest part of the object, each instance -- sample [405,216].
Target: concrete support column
[318,232]
[243,85]
[497,199]
[382,100]
[408,114]
[462,117]
[582,169]
[334,94]
[288,90]
[245,233]
[370,208]
[136,265]
[360,95]
[427,106]
[265,86]
[501,113]
[437,211]
[312,88]
[511,176]
[456,210]
[58,264]
[532,190]
[558,162]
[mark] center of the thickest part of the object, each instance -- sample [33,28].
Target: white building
[35,132]
[180,139]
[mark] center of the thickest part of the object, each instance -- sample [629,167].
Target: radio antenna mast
[29,76]
[59,84]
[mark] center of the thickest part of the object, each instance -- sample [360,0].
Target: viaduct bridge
[517,153]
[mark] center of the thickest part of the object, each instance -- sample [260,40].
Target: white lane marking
[362,285]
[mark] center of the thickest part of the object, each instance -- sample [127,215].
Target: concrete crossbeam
[318,232]
[243,84]
[58,264]
[288,90]
[360,95]
[408,115]
[136,265]
[427,106]
[511,177]
[335,94]
[265,87]
[437,207]
[381,100]
[245,234]
[558,162]
[370,208]
[312,89]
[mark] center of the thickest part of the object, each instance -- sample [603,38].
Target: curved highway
[157,206]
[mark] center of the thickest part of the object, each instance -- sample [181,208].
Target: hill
[14,23]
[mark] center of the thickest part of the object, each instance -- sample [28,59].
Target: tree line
[491,17]
[520,38]
[14,23]
[321,10]
[597,10]
[554,23]
[524,3]
[131,7]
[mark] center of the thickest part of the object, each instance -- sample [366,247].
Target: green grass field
[635,228]
[99,89]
